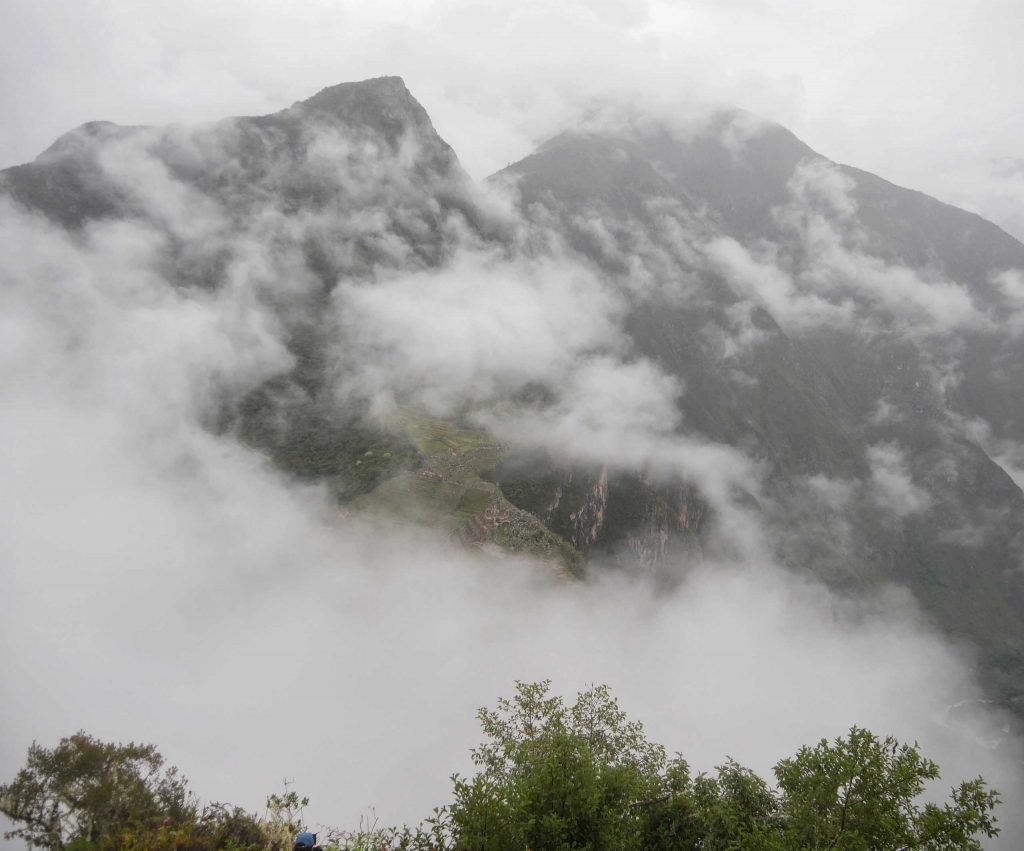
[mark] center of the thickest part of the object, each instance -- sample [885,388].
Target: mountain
[316,154]
[890,358]
[860,343]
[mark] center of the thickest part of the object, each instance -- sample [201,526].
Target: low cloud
[835,493]
[1008,454]
[472,336]
[893,486]
[163,583]
[822,213]
[1010,284]
[759,277]
[221,612]
[832,273]
[478,329]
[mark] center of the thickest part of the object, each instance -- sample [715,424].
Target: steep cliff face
[855,336]
[627,519]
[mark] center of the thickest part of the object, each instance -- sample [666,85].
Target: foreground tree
[550,777]
[554,776]
[87,794]
[583,778]
[85,789]
[559,778]
[863,792]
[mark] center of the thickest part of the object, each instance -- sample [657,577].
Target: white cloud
[823,215]
[761,279]
[835,279]
[478,328]
[893,487]
[1010,283]
[1008,454]
[835,493]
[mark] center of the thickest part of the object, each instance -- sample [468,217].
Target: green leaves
[551,777]
[554,776]
[861,792]
[85,788]
[566,778]
[89,795]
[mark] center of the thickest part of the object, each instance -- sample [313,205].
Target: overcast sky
[924,92]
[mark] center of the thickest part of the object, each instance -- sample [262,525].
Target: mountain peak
[380,102]
[82,140]
[379,86]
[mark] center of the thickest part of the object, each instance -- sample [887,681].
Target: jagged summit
[278,153]
[383,103]
[381,91]
[380,104]
[83,138]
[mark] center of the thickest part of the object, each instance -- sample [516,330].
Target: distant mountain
[896,381]
[863,342]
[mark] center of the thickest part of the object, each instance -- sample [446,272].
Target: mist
[164,583]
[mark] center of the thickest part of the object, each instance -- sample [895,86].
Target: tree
[584,778]
[550,777]
[733,808]
[556,777]
[861,792]
[85,789]
[87,794]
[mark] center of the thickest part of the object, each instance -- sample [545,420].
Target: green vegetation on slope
[312,441]
[447,491]
[422,468]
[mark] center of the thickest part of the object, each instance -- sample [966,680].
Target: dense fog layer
[163,583]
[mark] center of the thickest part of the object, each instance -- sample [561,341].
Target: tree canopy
[87,795]
[583,777]
[550,776]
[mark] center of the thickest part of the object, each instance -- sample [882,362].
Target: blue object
[305,840]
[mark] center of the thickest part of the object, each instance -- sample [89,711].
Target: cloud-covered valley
[165,581]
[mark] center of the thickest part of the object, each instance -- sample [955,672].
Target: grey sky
[926,94]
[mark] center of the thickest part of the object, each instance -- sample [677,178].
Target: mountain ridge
[823,321]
